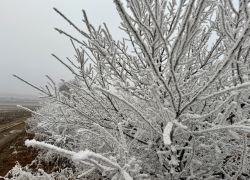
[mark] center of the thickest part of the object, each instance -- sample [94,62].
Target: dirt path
[9,114]
[12,123]
[9,131]
[12,148]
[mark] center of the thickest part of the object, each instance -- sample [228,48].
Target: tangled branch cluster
[175,107]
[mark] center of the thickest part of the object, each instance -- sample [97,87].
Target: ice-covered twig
[243,158]
[31,85]
[35,143]
[144,48]
[34,112]
[179,124]
[80,156]
[217,128]
[233,50]
[127,103]
[109,135]
[71,23]
[86,172]
[233,88]
[166,134]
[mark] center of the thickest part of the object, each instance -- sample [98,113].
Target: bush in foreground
[176,107]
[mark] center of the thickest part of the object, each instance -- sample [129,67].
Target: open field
[12,137]
[12,148]
[9,113]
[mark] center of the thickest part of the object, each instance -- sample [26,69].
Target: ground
[12,137]
[9,113]
[12,148]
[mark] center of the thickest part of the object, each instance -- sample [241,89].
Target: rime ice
[175,107]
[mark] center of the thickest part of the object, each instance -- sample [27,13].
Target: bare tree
[176,107]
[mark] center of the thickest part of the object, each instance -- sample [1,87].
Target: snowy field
[10,101]
[7,107]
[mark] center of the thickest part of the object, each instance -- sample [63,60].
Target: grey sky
[27,38]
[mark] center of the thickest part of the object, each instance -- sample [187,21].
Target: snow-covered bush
[175,107]
[24,173]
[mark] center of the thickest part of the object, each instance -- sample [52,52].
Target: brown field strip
[11,124]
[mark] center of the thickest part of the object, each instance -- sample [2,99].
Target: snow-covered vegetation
[175,107]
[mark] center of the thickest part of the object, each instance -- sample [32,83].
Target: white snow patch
[15,131]
[166,133]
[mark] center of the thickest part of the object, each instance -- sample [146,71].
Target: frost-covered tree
[63,88]
[175,107]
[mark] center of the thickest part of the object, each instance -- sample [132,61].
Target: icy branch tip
[96,87]
[82,155]
[180,124]
[166,133]
[29,143]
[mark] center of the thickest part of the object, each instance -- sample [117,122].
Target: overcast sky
[28,38]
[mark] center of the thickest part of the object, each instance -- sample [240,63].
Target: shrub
[176,107]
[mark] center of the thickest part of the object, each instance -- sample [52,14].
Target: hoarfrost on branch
[163,103]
